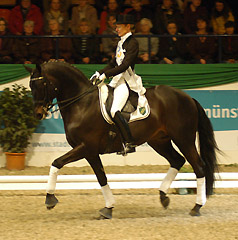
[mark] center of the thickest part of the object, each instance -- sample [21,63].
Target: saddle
[131,111]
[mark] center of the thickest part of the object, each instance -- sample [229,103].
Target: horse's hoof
[105,213]
[195,212]
[50,201]
[164,200]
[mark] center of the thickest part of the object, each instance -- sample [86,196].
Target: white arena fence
[116,181]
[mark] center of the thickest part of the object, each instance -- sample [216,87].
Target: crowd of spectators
[166,22]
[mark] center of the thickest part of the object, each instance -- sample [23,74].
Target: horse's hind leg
[176,161]
[192,156]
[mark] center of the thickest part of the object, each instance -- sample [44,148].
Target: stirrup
[127,148]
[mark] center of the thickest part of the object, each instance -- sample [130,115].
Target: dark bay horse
[174,116]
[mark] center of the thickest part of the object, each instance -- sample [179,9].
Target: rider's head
[124,24]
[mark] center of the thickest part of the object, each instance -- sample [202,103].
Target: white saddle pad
[142,111]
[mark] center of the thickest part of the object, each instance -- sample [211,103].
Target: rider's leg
[121,94]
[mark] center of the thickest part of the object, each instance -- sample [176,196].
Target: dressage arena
[138,213]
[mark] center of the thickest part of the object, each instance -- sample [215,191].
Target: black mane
[64,65]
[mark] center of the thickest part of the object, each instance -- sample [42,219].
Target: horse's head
[41,89]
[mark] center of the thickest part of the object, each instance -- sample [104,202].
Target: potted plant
[17,124]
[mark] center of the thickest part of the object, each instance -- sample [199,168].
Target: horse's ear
[28,69]
[38,67]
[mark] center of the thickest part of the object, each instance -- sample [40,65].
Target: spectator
[112,8]
[230,44]
[84,10]
[220,15]
[64,5]
[202,49]
[26,50]
[143,55]
[21,13]
[173,50]
[165,13]
[55,12]
[138,11]
[5,43]
[192,12]
[109,45]
[85,48]
[48,46]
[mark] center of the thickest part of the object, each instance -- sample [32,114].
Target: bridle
[47,104]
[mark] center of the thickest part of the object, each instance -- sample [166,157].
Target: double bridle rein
[48,104]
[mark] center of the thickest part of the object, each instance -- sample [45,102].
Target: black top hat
[125,19]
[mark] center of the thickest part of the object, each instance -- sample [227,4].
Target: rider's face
[122,29]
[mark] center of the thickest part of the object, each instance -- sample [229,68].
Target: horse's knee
[178,163]
[57,164]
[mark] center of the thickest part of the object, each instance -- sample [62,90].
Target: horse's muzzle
[40,113]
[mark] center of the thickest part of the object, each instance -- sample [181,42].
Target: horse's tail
[208,148]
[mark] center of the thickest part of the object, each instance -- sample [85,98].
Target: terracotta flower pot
[15,161]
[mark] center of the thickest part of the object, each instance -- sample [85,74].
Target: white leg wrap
[171,174]
[201,191]
[108,196]
[52,180]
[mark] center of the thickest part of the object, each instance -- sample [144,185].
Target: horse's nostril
[39,116]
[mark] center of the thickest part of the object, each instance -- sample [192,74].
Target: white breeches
[120,96]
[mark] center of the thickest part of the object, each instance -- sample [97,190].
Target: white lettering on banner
[217,112]
[56,115]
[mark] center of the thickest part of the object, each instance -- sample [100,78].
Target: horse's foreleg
[71,156]
[98,169]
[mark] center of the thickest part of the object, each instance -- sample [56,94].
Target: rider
[121,68]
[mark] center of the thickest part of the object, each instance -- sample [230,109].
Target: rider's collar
[123,38]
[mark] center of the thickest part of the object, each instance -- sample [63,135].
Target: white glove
[95,75]
[102,77]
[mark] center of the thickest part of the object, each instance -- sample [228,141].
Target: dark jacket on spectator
[173,49]
[6,53]
[163,16]
[48,47]
[190,18]
[229,48]
[85,47]
[26,49]
[202,50]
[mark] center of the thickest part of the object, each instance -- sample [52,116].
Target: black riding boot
[123,126]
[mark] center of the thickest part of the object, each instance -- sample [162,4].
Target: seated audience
[230,44]
[109,44]
[21,13]
[55,12]
[173,50]
[112,8]
[143,55]
[192,12]
[138,11]
[26,50]
[202,49]
[48,45]
[6,44]
[84,10]
[165,13]
[86,49]
[221,14]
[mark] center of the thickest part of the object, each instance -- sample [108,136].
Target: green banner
[184,76]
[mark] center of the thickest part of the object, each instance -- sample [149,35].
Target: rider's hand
[95,75]
[102,77]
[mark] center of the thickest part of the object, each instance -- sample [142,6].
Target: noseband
[46,102]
